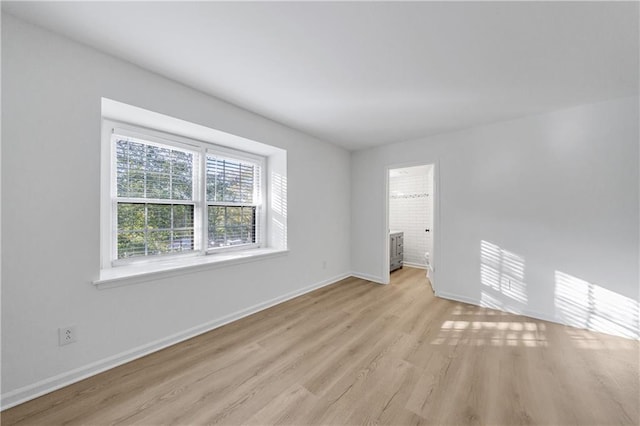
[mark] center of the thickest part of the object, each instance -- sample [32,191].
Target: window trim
[108,191]
[153,271]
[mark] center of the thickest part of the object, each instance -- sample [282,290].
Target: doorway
[411,218]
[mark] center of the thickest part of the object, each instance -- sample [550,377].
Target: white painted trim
[436,256]
[106,188]
[367,277]
[475,302]
[386,248]
[32,391]
[134,274]
[456,297]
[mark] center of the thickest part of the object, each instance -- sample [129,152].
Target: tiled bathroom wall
[410,210]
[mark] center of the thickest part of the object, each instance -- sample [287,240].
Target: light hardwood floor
[360,353]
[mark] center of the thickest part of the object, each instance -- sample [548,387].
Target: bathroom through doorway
[411,218]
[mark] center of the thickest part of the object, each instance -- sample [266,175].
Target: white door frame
[436,231]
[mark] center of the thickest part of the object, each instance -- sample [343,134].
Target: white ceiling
[361,74]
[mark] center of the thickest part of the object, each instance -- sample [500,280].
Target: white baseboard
[377,280]
[456,297]
[29,392]
[414,265]
[525,312]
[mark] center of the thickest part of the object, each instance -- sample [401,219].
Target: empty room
[320,213]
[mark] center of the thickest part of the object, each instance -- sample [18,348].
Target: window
[178,196]
[172,196]
[155,202]
[233,190]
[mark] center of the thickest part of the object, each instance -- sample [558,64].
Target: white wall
[537,215]
[51,112]
[409,211]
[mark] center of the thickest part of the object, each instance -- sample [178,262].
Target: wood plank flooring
[360,353]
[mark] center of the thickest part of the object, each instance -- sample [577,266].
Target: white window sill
[132,274]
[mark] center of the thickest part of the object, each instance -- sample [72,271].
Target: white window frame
[200,149]
[260,202]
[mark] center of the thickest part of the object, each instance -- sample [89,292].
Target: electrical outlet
[66,335]
[324,264]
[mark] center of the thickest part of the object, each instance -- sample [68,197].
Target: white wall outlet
[67,335]
[324,264]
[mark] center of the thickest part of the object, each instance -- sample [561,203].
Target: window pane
[182,163]
[182,241]
[230,181]
[130,169]
[122,169]
[215,179]
[234,226]
[136,184]
[231,225]
[216,226]
[159,216]
[182,176]
[131,217]
[130,166]
[182,216]
[158,242]
[246,184]
[158,185]
[131,244]
[146,229]
[181,189]
[234,216]
[231,191]
[149,171]
[248,215]
[158,159]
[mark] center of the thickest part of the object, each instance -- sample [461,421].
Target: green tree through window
[155,208]
[232,193]
[166,202]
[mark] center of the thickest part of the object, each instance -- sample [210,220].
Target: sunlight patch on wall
[585,305]
[503,272]
[278,210]
[279,194]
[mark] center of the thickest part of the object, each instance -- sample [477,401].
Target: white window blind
[233,201]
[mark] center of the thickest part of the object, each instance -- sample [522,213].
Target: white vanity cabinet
[395,250]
